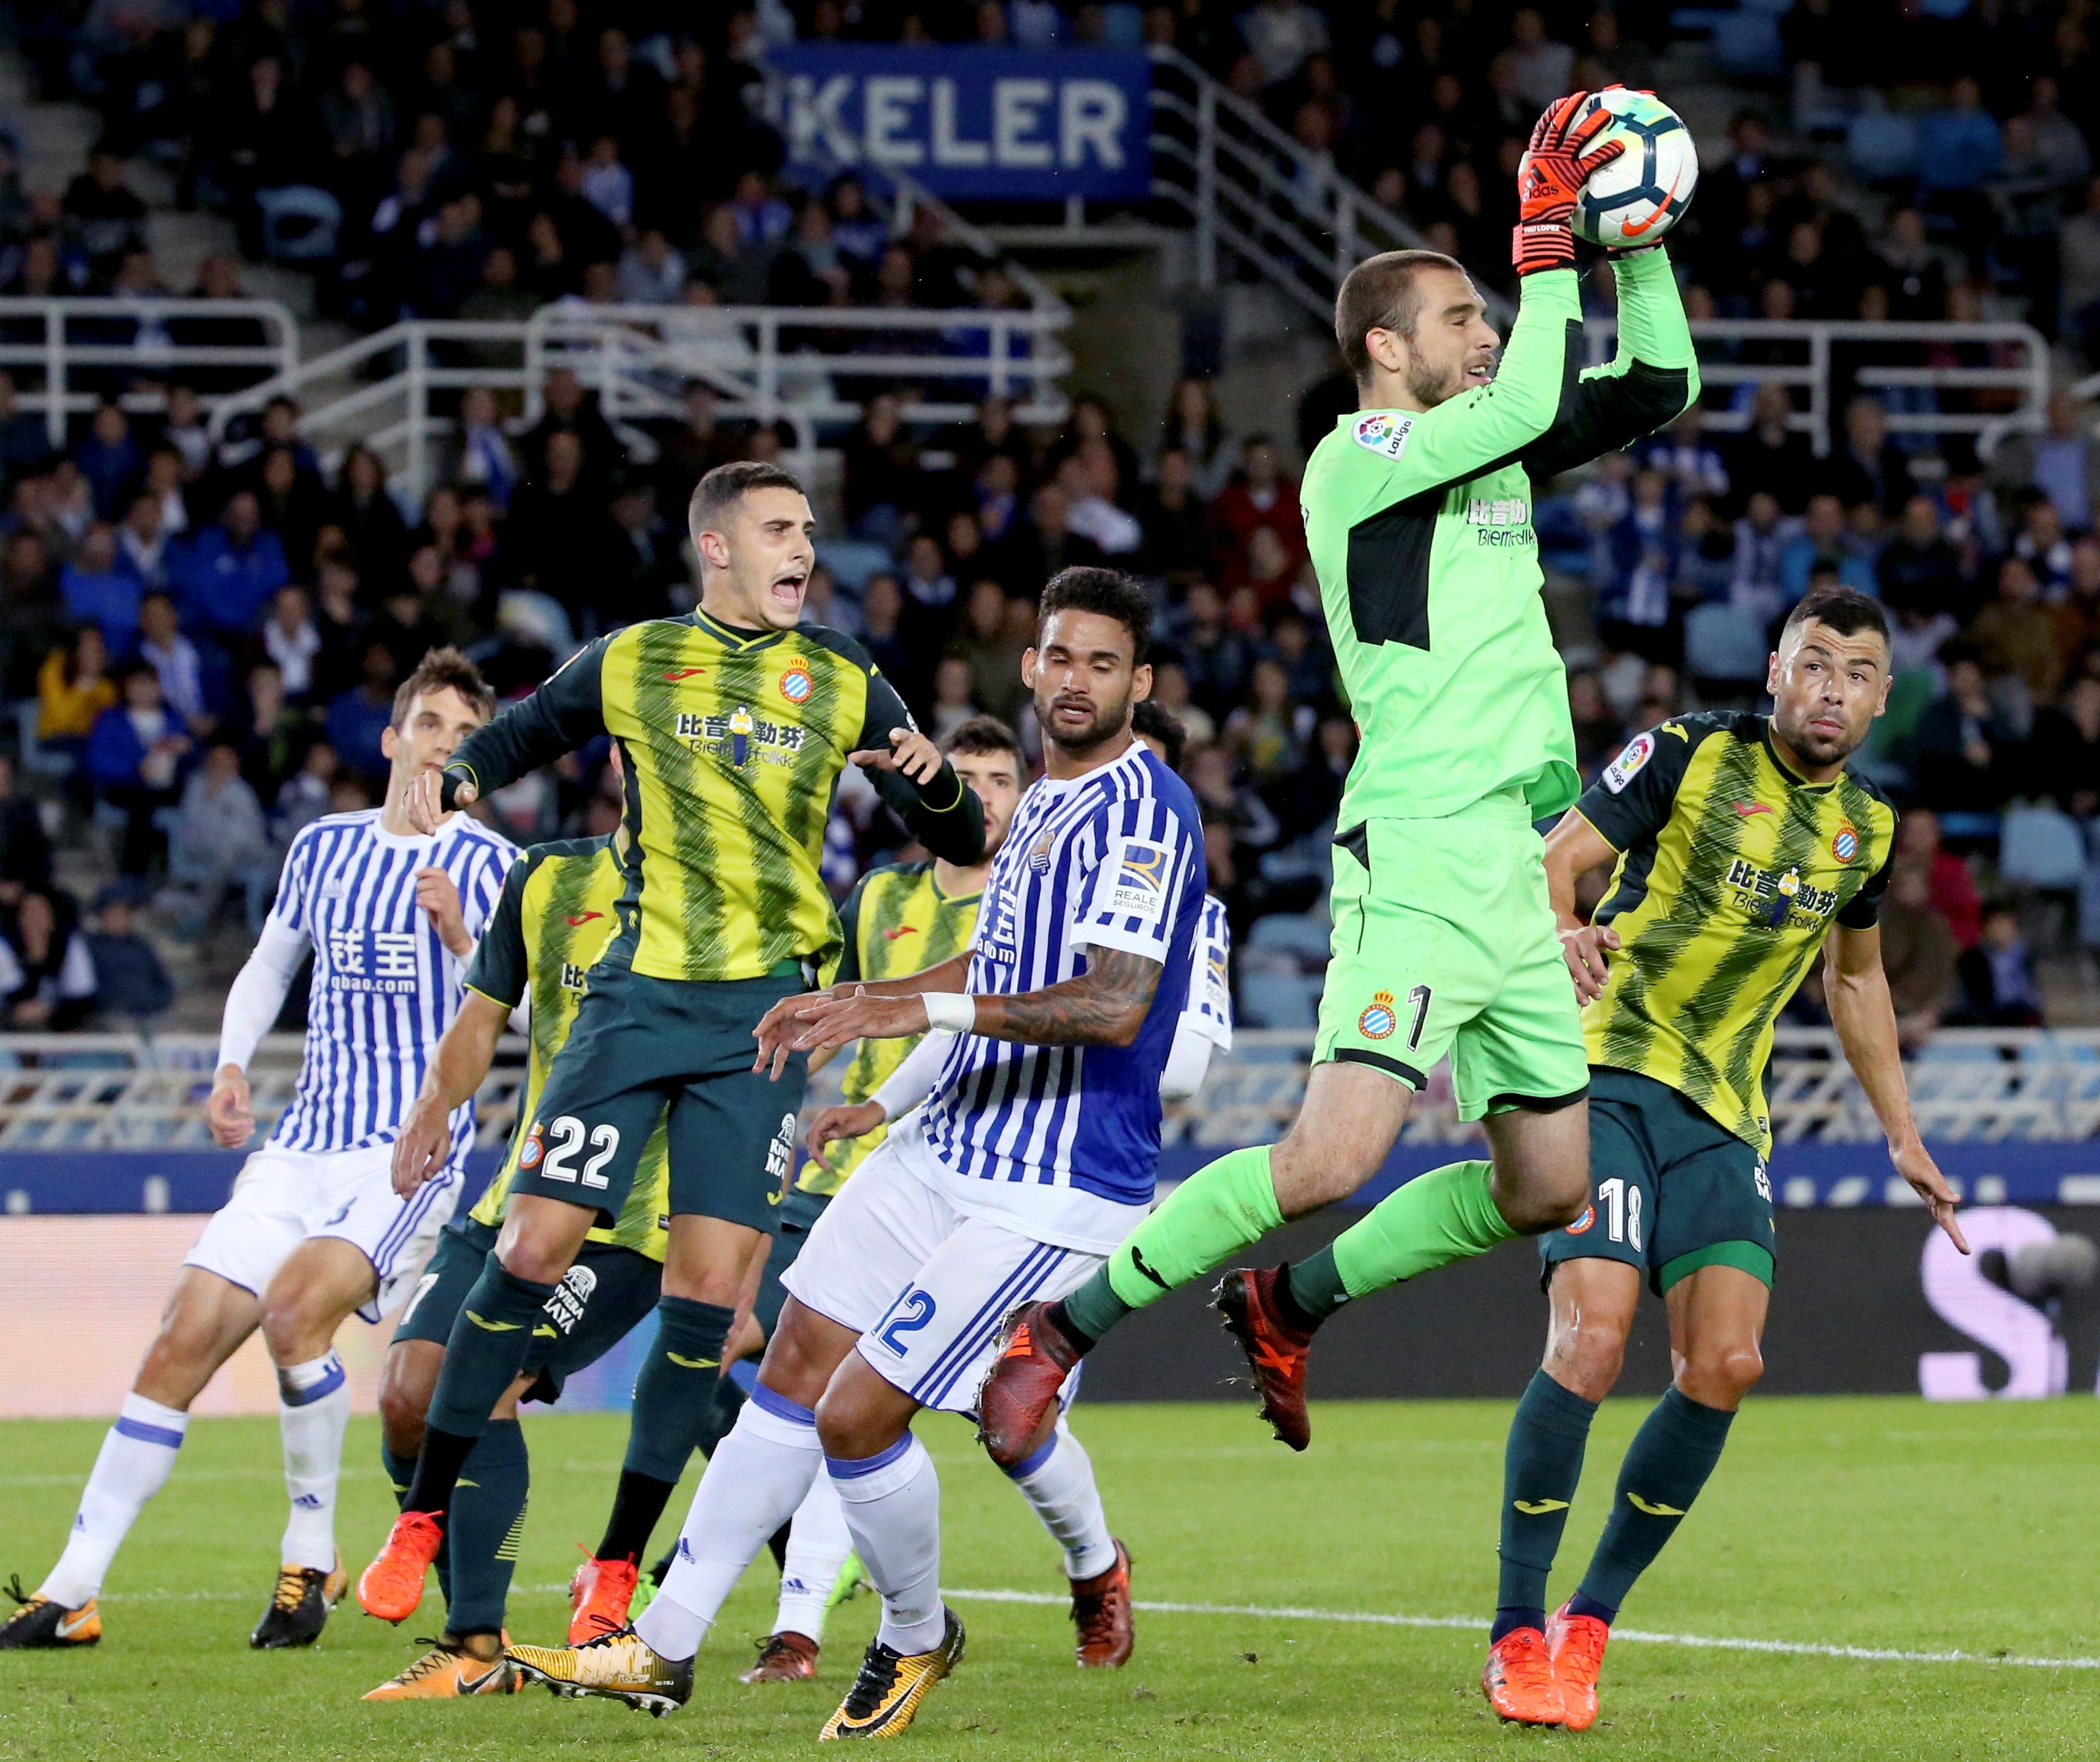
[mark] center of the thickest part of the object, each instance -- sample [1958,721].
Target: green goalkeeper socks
[1445,1215]
[1217,1211]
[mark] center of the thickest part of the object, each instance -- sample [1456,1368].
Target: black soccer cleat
[298,1607]
[38,1623]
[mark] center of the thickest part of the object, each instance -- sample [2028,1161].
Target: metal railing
[1248,189]
[58,350]
[147,1092]
[1984,1084]
[803,367]
[1811,348]
[139,1092]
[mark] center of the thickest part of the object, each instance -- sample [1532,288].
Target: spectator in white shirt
[1089,479]
[1281,33]
[176,661]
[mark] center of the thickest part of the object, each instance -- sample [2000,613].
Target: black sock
[400,1470]
[488,1521]
[1541,1465]
[483,1357]
[1061,1318]
[636,1506]
[676,1400]
[1307,1293]
[1667,1463]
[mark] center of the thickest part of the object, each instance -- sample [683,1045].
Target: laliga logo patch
[1620,772]
[1383,432]
[795,684]
[1846,845]
[1378,1020]
[1583,1222]
[535,1147]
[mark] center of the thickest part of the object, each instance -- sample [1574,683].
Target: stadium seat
[1277,1000]
[1747,45]
[1881,147]
[1298,934]
[2041,847]
[1725,644]
[851,561]
[300,223]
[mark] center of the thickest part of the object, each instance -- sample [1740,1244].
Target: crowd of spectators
[209,632]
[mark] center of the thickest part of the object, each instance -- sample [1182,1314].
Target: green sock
[1217,1211]
[1541,1466]
[1667,1463]
[488,1521]
[1445,1215]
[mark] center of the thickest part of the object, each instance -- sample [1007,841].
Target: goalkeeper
[1417,510]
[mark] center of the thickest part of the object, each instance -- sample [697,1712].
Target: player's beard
[1817,749]
[1108,721]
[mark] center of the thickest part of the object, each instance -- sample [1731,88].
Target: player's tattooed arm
[783,1029]
[1105,1006]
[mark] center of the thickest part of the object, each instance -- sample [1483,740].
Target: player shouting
[1417,510]
[314,1230]
[1743,847]
[733,723]
[1022,1173]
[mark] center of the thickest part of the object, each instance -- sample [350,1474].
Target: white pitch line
[1795,1648]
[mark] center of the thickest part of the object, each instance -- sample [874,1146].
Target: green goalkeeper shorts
[1444,941]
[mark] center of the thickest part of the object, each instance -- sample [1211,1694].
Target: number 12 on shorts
[907,1315]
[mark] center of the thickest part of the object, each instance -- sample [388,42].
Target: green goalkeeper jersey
[1419,525]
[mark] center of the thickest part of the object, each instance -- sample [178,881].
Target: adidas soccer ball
[1643,193]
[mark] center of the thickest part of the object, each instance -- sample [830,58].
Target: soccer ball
[1643,193]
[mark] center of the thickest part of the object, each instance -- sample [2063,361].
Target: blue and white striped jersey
[385,986]
[1063,1141]
[1209,1010]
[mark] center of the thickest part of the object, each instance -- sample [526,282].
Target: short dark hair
[1151,721]
[442,670]
[1379,294]
[1107,593]
[1845,610]
[980,733]
[725,485]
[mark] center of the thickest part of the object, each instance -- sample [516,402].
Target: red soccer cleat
[392,1586]
[1275,1350]
[1031,1361]
[1576,1645]
[1101,1615]
[1519,1680]
[598,1595]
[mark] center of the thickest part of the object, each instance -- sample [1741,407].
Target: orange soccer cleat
[392,1586]
[1030,1360]
[1519,1680]
[598,1597]
[1275,1350]
[1102,1617]
[1576,1645]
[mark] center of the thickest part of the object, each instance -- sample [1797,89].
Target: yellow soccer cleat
[884,1698]
[445,1673]
[38,1621]
[299,1607]
[617,1666]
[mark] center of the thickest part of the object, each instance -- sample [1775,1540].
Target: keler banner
[1011,124]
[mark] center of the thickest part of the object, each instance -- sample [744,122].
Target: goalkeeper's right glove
[1550,177]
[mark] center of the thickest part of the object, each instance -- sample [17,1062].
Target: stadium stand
[469,294]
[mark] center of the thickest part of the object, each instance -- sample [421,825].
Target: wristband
[954,1010]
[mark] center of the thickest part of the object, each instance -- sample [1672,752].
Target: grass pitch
[1875,1523]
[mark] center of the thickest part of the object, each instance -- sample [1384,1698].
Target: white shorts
[282,1198]
[925,1286]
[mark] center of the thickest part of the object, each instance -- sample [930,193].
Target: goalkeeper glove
[1551,176]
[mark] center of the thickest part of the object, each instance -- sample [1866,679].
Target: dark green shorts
[606,1293]
[797,1216]
[642,1049]
[1669,1190]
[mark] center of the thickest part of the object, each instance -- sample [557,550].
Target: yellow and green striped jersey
[1732,870]
[733,742]
[549,927]
[897,921]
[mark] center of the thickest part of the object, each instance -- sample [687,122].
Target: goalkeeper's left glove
[1550,177]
